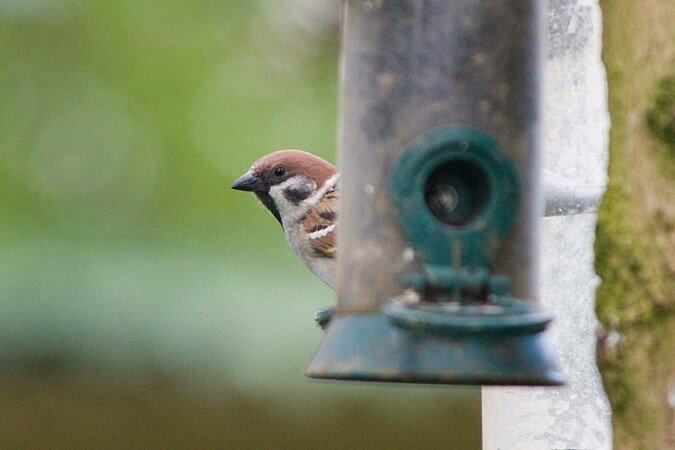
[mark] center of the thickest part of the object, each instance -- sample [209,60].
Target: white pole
[576,124]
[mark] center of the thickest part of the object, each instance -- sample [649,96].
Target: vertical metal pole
[407,67]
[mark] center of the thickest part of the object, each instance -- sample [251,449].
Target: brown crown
[296,162]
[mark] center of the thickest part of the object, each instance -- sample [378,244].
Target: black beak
[247,182]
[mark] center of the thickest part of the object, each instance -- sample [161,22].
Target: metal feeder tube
[407,68]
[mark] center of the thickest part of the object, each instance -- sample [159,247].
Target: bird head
[286,182]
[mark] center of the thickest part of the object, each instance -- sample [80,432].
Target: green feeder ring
[504,316]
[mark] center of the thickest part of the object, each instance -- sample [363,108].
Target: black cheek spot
[296,194]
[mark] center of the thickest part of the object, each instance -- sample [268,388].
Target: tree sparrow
[301,192]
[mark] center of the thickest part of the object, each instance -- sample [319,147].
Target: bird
[301,191]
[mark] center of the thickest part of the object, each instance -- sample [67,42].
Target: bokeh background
[142,302]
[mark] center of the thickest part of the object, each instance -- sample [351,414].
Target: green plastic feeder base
[371,347]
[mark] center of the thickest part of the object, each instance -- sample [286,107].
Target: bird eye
[279,171]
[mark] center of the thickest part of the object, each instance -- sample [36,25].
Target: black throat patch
[266,199]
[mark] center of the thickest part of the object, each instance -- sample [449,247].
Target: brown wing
[321,225]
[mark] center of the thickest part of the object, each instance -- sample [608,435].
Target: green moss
[660,120]
[635,301]
[661,117]
[632,268]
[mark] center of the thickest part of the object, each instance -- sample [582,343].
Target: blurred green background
[143,303]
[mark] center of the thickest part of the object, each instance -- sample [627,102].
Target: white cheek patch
[277,194]
[322,232]
[289,210]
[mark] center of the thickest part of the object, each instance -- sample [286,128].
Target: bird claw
[324,316]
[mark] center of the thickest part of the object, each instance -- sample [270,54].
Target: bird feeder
[440,196]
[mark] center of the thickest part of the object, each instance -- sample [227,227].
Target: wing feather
[320,224]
